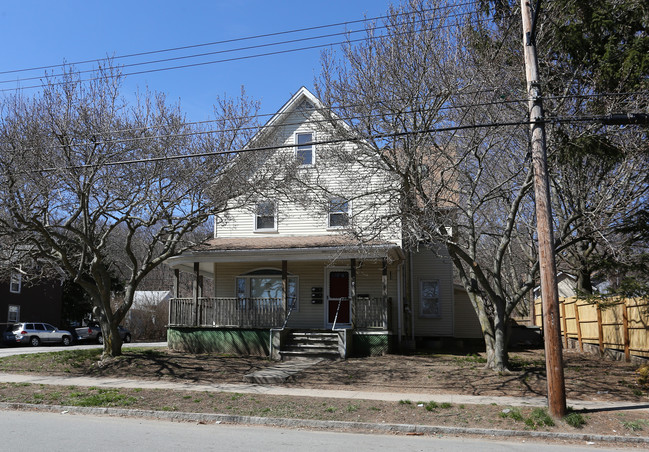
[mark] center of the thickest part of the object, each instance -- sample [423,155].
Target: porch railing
[371,313]
[232,312]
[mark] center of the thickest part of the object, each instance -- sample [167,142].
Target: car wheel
[34,341]
[66,340]
[100,339]
[127,338]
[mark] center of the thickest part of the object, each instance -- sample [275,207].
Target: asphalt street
[67,432]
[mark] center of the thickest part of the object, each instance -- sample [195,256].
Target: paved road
[65,432]
[24,350]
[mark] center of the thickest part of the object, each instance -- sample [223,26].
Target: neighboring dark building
[30,301]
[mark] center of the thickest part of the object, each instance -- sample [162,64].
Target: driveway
[24,350]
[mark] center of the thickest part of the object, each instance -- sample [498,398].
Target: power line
[311,122]
[245,38]
[326,109]
[225,60]
[615,119]
[283,146]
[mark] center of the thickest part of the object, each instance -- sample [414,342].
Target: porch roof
[319,247]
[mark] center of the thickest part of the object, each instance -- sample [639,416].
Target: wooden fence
[618,324]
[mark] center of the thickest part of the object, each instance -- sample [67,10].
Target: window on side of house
[305,151]
[262,288]
[13,316]
[338,213]
[15,285]
[266,216]
[429,303]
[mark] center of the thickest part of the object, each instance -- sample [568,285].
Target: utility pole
[549,291]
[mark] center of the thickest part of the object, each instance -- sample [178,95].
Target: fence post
[625,329]
[600,330]
[581,344]
[565,322]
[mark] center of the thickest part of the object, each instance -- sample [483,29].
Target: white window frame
[15,283]
[297,146]
[273,275]
[425,313]
[256,216]
[331,212]
[16,310]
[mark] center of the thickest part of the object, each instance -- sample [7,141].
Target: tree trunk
[494,331]
[584,283]
[112,340]
[109,331]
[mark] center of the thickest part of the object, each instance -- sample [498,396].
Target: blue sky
[46,32]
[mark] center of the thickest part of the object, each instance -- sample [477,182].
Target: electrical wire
[245,38]
[205,63]
[338,117]
[325,142]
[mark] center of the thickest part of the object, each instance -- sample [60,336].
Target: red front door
[338,298]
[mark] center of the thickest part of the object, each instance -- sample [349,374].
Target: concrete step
[281,372]
[290,355]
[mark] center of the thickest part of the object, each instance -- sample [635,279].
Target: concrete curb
[310,423]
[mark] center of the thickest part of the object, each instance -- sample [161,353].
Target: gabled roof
[302,94]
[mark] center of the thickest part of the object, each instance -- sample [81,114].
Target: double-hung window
[305,151]
[13,315]
[15,284]
[429,304]
[266,216]
[338,213]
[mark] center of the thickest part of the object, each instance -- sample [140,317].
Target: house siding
[312,274]
[429,265]
[467,325]
[41,302]
[295,218]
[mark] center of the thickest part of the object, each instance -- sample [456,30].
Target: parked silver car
[35,333]
[92,333]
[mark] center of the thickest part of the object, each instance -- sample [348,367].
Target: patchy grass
[430,413]
[587,378]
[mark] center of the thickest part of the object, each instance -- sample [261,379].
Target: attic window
[266,216]
[305,150]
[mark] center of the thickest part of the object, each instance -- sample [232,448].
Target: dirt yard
[587,378]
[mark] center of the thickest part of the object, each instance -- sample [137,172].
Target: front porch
[259,327]
[265,290]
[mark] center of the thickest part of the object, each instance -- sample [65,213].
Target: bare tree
[426,111]
[95,184]
[435,96]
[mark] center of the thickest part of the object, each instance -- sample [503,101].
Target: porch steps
[303,344]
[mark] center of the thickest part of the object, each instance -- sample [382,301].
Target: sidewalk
[247,388]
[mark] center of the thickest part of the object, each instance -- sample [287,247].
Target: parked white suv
[35,333]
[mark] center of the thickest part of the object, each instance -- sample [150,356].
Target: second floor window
[15,285]
[265,216]
[304,152]
[338,213]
